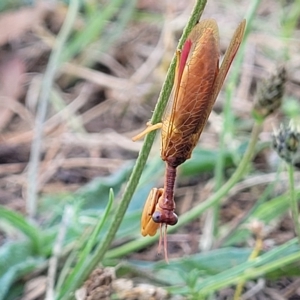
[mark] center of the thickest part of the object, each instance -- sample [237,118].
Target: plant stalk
[293,201]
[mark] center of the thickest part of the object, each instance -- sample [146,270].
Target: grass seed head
[269,94]
[286,142]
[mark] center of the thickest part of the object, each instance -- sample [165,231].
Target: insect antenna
[163,240]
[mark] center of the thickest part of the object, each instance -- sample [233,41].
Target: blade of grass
[19,222]
[94,28]
[51,70]
[79,273]
[272,260]
[124,16]
[57,249]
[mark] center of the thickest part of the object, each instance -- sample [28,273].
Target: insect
[198,80]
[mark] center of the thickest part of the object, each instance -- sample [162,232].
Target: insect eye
[173,220]
[156,217]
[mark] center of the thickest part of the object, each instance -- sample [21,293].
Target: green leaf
[16,260]
[95,193]
[20,223]
[220,268]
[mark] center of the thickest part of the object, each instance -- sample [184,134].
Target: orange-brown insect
[198,81]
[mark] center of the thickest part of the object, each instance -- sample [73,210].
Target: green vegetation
[70,234]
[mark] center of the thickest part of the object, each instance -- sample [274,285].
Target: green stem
[293,201]
[258,247]
[141,161]
[199,209]
[253,272]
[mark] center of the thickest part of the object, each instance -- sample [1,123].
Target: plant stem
[49,76]
[293,201]
[255,252]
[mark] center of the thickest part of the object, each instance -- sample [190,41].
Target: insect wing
[228,58]
[182,57]
[196,73]
[148,226]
